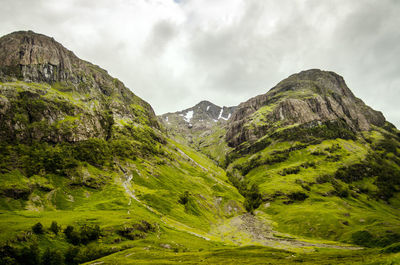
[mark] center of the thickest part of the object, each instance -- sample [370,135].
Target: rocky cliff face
[308,98]
[49,94]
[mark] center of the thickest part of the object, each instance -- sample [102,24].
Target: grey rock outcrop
[311,96]
[202,116]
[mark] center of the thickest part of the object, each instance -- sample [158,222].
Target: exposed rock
[49,94]
[202,127]
[312,96]
[201,117]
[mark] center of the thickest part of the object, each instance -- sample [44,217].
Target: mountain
[307,99]
[202,127]
[80,151]
[70,100]
[304,173]
[202,116]
[317,160]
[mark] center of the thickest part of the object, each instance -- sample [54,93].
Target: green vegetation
[121,192]
[339,189]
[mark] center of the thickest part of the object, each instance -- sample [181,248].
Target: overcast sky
[175,53]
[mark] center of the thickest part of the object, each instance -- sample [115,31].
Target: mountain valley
[305,173]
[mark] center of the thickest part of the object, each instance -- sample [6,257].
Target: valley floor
[246,255]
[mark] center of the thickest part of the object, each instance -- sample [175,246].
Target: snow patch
[166,118]
[220,114]
[226,118]
[188,116]
[208,107]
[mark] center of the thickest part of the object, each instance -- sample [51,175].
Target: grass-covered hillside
[88,175]
[97,196]
[338,189]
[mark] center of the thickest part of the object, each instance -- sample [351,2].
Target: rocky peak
[309,97]
[324,81]
[35,57]
[202,115]
[49,94]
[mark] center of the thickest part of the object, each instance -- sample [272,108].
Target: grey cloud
[175,63]
[162,33]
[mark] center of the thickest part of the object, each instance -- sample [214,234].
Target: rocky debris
[88,102]
[311,96]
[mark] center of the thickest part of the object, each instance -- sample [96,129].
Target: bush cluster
[315,133]
[31,255]
[86,234]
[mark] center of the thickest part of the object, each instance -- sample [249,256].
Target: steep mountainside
[80,149]
[318,161]
[88,173]
[308,98]
[70,100]
[203,127]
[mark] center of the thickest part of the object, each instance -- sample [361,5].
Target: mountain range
[305,173]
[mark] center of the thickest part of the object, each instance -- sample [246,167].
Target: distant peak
[205,103]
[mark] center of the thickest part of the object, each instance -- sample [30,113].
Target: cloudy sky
[175,53]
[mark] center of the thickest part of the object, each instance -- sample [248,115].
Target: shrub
[95,151]
[54,227]
[92,252]
[363,238]
[89,233]
[86,234]
[38,228]
[394,248]
[253,199]
[70,255]
[71,235]
[52,257]
[289,171]
[29,255]
[297,196]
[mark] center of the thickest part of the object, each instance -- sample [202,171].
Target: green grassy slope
[140,197]
[342,190]
[135,185]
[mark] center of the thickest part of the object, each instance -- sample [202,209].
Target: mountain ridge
[306,97]
[89,173]
[28,57]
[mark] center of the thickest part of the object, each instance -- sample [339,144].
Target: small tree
[54,227]
[71,254]
[29,255]
[68,231]
[72,236]
[52,257]
[38,228]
